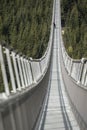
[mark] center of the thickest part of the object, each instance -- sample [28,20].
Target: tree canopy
[74,22]
[25,25]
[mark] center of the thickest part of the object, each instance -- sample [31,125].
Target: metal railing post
[40,67]
[71,67]
[16,70]
[83,72]
[26,71]
[10,70]
[24,74]
[20,71]
[6,86]
[30,73]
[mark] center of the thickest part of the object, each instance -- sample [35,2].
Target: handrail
[76,68]
[76,60]
[25,87]
[20,72]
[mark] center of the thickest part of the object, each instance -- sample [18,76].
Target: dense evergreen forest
[25,25]
[74,23]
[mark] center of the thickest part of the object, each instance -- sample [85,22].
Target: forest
[74,24]
[25,25]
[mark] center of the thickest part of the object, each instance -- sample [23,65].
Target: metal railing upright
[77,69]
[22,72]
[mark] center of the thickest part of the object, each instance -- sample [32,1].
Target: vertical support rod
[16,70]
[79,72]
[7,91]
[31,71]
[30,74]
[24,74]
[20,71]
[71,67]
[40,67]
[10,70]
[26,71]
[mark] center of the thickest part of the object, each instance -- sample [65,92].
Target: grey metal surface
[59,114]
[20,110]
[78,97]
[20,72]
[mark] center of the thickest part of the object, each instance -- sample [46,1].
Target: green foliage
[25,25]
[74,21]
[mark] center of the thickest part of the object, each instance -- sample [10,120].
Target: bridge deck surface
[59,115]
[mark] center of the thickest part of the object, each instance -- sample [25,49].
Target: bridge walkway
[59,115]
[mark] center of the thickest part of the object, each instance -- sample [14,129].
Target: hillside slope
[74,21]
[25,25]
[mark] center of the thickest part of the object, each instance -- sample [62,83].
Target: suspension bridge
[44,94]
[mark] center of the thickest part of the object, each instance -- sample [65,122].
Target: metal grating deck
[59,115]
